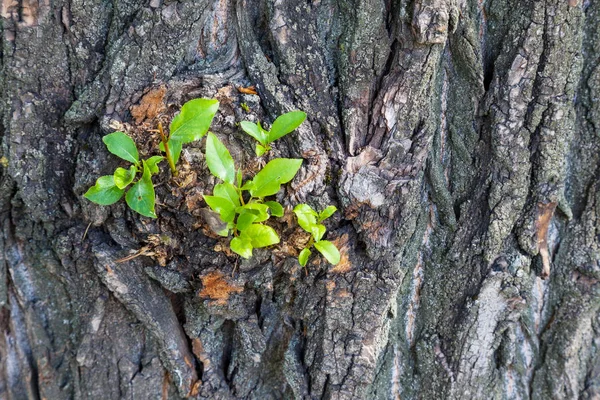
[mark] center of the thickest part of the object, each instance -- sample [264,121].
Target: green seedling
[110,188]
[242,206]
[310,221]
[283,125]
[189,125]
[245,107]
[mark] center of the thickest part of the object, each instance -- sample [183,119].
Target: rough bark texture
[458,138]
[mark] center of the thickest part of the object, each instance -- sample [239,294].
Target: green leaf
[223,206]
[122,146]
[219,160]
[123,177]
[261,235]
[329,251]
[244,220]
[275,207]
[317,231]
[326,213]
[307,217]
[260,150]
[175,147]
[140,197]
[239,176]
[285,124]
[228,191]
[105,192]
[247,186]
[255,131]
[153,164]
[241,246]
[258,209]
[268,181]
[303,256]
[193,120]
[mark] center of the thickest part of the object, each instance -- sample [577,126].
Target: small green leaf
[278,171]
[307,217]
[219,160]
[123,177]
[241,246]
[247,186]
[239,176]
[140,197]
[122,146]
[329,251]
[223,206]
[228,191]
[105,192]
[175,147]
[326,213]
[275,207]
[253,130]
[317,231]
[153,164]
[260,150]
[285,124]
[245,220]
[303,256]
[193,120]
[261,235]
[258,209]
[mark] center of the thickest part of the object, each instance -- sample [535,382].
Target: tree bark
[459,140]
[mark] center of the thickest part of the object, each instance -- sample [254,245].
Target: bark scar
[545,214]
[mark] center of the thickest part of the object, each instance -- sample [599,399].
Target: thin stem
[167,150]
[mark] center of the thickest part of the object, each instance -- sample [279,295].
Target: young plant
[110,188]
[242,207]
[189,125]
[283,125]
[310,221]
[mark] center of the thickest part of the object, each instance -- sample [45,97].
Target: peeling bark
[458,139]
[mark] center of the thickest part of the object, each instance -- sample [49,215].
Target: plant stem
[167,150]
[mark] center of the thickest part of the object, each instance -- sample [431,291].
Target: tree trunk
[458,139]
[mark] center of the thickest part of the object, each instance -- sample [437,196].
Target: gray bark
[459,139]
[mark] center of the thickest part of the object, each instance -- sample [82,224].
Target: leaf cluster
[189,125]
[110,188]
[283,125]
[241,205]
[310,221]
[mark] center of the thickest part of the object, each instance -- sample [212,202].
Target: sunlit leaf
[326,213]
[218,159]
[241,246]
[275,207]
[329,251]
[123,177]
[303,256]
[122,146]
[140,197]
[105,192]
[285,124]
[261,235]
[307,217]
[193,120]
[278,171]
[223,206]
[253,130]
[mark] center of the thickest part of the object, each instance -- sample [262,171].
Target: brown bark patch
[545,213]
[216,287]
[151,104]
